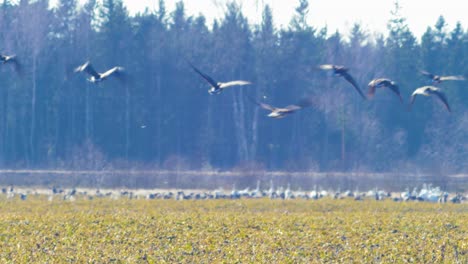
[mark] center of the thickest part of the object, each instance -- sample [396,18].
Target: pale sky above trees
[336,14]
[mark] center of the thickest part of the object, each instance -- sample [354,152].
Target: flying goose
[217,87]
[342,71]
[277,112]
[99,77]
[430,90]
[436,79]
[382,83]
[4,59]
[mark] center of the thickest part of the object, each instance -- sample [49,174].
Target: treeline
[164,117]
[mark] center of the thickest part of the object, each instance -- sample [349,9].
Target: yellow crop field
[231,231]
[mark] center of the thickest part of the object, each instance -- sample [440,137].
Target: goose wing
[116,71]
[396,90]
[442,97]
[89,69]
[303,103]
[351,80]
[292,108]
[412,99]
[428,74]
[233,83]
[452,78]
[204,76]
[262,105]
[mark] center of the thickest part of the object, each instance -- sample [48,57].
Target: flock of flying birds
[340,71]
[279,112]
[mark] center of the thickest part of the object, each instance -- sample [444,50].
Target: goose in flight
[11,59]
[382,83]
[99,77]
[277,112]
[436,79]
[342,71]
[430,90]
[217,87]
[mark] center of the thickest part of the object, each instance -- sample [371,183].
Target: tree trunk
[32,132]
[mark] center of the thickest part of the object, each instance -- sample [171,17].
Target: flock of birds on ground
[426,193]
[280,112]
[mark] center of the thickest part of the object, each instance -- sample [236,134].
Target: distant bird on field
[342,71]
[217,87]
[382,83]
[277,112]
[11,59]
[436,79]
[99,77]
[430,90]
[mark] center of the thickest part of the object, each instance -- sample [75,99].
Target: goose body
[217,87]
[99,77]
[383,83]
[342,71]
[428,91]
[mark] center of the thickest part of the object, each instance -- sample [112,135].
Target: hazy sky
[336,14]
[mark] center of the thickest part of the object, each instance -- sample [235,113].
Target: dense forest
[163,117]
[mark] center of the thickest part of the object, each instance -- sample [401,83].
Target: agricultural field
[104,230]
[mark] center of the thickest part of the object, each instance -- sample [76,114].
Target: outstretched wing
[442,97]
[233,83]
[428,74]
[262,105]
[452,78]
[413,97]
[292,108]
[396,90]
[350,79]
[88,68]
[206,77]
[116,71]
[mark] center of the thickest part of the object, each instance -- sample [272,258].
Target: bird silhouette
[381,83]
[13,60]
[217,87]
[99,77]
[342,71]
[278,112]
[436,79]
[428,91]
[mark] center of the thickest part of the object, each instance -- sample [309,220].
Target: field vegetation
[103,230]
